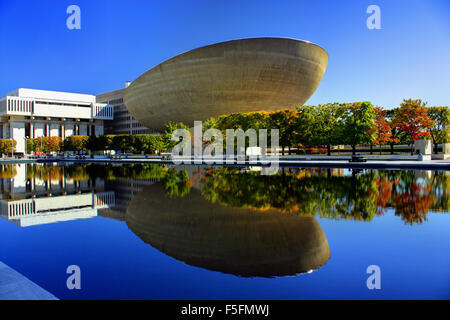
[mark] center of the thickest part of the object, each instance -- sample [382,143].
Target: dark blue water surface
[153,232]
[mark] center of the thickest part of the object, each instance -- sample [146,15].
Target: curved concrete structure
[237,241]
[235,76]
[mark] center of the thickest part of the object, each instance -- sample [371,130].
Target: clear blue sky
[120,39]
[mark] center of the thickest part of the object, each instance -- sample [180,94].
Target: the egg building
[245,75]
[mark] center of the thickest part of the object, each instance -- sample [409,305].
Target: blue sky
[120,39]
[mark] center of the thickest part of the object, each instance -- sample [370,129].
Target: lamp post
[12,147]
[26,147]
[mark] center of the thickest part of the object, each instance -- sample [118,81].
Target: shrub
[44,144]
[76,143]
[6,145]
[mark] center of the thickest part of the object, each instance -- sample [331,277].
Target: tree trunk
[328,150]
[282,150]
[371,149]
[353,149]
[392,148]
[436,148]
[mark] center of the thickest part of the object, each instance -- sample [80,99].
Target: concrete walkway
[14,286]
[371,164]
[283,162]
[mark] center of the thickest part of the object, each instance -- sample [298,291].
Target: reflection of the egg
[243,242]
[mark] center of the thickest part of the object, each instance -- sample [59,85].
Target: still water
[158,232]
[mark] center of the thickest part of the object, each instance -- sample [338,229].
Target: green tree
[148,142]
[440,130]
[358,124]
[97,143]
[318,125]
[76,143]
[123,142]
[169,128]
[285,122]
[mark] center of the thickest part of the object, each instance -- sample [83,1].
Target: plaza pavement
[15,286]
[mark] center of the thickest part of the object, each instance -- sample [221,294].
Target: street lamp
[26,147]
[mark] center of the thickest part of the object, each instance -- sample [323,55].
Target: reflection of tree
[7,171]
[126,171]
[440,188]
[177,183]
[46,172]
[413,204]
[307,192]
[318,192]
[384,187]
[80,172]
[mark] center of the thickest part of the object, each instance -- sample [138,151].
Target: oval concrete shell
[237,241]
[256,74]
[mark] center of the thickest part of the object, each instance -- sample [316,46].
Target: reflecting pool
[195,232]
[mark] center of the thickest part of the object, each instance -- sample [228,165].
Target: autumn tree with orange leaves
[412,119]
[383,131]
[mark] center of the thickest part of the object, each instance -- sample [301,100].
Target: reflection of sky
[115,263]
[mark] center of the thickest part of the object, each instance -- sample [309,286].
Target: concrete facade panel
[258,74]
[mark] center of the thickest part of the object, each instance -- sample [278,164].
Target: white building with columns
[29,113]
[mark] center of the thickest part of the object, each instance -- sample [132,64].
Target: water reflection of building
[29,197]
[23,182]
[36,211]
[124,190]
[239,241]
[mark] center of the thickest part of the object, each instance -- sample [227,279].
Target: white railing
[104,200]
[18,105]
[103,111]
[17,209]
[51,205]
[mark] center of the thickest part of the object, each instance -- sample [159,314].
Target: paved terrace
[14,286]
[403,162]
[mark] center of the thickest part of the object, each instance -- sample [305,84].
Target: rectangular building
[124,122]
[29,113]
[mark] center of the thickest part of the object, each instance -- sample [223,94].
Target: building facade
[29,113]
[124,122]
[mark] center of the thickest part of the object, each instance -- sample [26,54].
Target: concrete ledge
[310,163]
[14,286]
[420,165]
[440,156]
